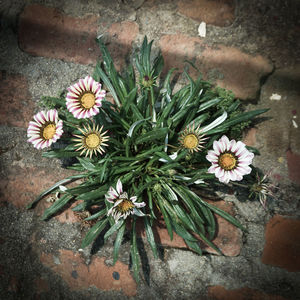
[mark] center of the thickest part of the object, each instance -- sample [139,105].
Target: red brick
[17,107]
[238,71]
[14,284]
[22,185]
[228,239]
[293,162]
[282,245]
[121,37]
[220,293]
[67,215]
[45,31]
[250,137]
[41,285]
[79,276]
[214,12]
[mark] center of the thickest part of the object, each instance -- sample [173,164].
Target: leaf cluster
[144,120]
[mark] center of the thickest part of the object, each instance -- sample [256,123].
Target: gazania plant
[143,151]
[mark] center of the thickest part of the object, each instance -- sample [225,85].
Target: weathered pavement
[250,47]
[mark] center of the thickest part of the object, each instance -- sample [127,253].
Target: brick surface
[250,137]
[228,67]
[121,37]
[41,285]
[214,12]
[45,31]
[228,238]
[23,185]
[14,284]
[16,105]
[220,293]
[66,215]
[282,245]
[79,276]
[293,161]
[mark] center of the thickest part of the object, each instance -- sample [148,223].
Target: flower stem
[241,185]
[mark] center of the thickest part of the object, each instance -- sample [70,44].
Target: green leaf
[59,153]
[156,134]
[105,54]
[96,215]
[102,171]
[194,246]
[150,237]
[130,99]
[158,65]
[56,185]
[134,252]
[112,229]
[208,104]
[169,192]
[95,194]
[182,192]
[218,211]
[94,232]
[118,242]
[107,82]
[56,206]
[253,150]
[236,120]
[181,231]
[132,127]
[86,163]
[161,203]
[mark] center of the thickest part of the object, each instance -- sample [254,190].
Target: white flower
[84,98]
[123,205]
[230,160]
[45,129]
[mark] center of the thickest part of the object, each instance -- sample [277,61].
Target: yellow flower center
[227,161]
[125,206]
[190,141]
[88,100]
[49,131]
[92,140]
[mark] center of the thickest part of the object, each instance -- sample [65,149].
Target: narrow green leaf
[209,104]
[56,206]
[194,246]
[236,120]
[181,231]
[114,228]
[156,134]
[56,185]
[87,164]
[132,127]
[107,82]
[96,215]
[134,252]
[253,150]
[95,194]
[94,232]
[161,204]
[118,242]
[150,237]
[59,153]
[158,65]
